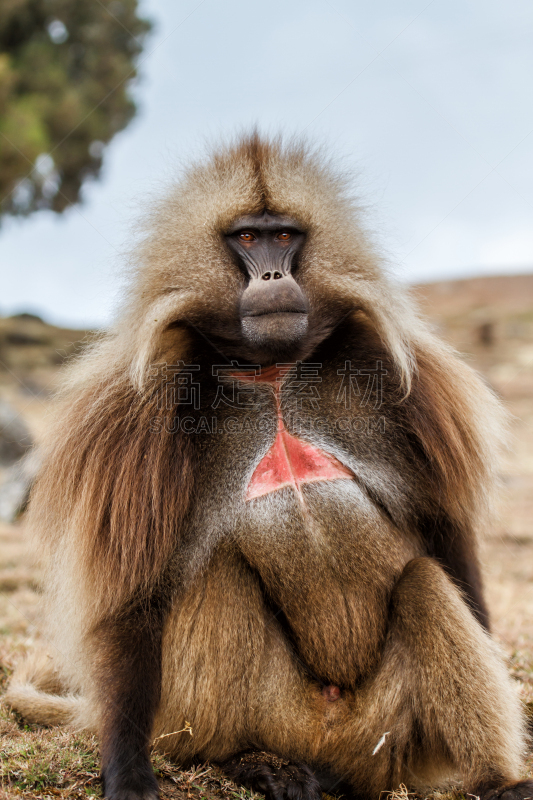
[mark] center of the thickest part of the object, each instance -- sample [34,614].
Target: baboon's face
[273,312]
[273,308]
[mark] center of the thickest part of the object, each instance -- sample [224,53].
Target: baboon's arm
[129,685]
[455,550]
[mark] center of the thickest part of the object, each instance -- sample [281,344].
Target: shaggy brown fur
[332,628]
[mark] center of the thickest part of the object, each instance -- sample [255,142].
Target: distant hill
[490,320]
[31,350]
[495,295]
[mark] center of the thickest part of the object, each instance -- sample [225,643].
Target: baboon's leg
[213,646]
[218,639]
[128,682]
[440,705]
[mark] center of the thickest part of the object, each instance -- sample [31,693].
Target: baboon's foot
[522,790]
[134,782]
[275,777]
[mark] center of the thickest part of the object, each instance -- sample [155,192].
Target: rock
[18,463]
[15,486]
[15,438]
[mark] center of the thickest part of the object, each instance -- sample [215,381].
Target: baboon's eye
[246,236]
[284,236]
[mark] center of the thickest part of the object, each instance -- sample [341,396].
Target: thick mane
[115,484]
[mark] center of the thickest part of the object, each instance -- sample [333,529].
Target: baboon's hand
[276,778]
[523,790]
[133,781]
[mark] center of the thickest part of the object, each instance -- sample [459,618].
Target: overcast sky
[432,104]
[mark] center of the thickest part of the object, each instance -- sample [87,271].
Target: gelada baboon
[259,505]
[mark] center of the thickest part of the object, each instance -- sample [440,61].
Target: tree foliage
[65,68]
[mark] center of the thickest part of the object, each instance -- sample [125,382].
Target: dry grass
[36,762]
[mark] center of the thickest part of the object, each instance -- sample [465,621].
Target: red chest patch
[290,461]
